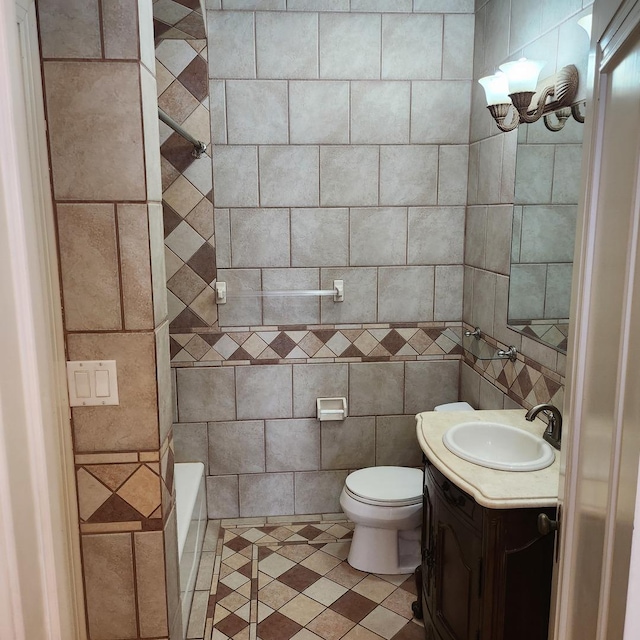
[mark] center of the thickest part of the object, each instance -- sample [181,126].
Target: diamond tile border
[352,343]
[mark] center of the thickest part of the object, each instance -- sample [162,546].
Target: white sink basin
[498,446]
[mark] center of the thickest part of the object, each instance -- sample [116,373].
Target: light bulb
[522,75]
[496,88]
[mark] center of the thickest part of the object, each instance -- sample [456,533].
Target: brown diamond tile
[282,344]
[231,625]
[309,532]
[178,152]
[410,585]
[203,262]
[195,77]
[245,570]
[324,335]
[169,173]
[190,4]
[411,631]
[159,28]
[299,577]
[170,219]
[193,25]
[353,606]
[237,544]
[222,591]
[187,319]
[211,338]
[264,552]
[240,354]
[525,383]
[174,348]
[277,627]
[393,342]
[115,509]
[352,352]
[330,625]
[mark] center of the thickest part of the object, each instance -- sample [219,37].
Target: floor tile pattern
[291,581]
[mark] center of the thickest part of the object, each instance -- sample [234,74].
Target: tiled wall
[336,155]
[506,30]
[100,100]
[546,196]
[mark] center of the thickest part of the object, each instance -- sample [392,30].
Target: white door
[603,399]
[40,577]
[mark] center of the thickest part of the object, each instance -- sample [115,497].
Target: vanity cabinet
[485,573]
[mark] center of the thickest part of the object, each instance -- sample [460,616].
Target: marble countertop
[489,487]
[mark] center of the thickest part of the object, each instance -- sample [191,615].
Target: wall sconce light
[516,85]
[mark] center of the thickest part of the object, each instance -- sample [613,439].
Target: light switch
[92,383]
[83,384]
[102,384]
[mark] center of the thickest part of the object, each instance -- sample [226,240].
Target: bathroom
[366,158]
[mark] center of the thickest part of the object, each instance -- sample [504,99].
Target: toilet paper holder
[331,408]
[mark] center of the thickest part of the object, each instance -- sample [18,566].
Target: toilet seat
[385,486]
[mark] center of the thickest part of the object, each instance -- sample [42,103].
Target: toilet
[385,504]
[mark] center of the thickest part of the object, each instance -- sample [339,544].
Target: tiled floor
[290,581]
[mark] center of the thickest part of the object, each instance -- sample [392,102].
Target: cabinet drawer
[459,501]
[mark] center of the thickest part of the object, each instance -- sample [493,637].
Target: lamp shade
[496,88]
[585,23]
[522,75]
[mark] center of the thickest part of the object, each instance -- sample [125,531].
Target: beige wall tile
[89,266]
[174,611]
[120,29]
[319,491]
[95,130]
[163,372]
[133,424]
[396,441]
[70,28]
[150,578]
[135,265]
[109,586]
[266,493]
[348,444]
[158,273]
[151,135]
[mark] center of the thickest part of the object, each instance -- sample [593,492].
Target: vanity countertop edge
[489,487]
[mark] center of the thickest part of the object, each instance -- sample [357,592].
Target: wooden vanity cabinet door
[428,540]
[458,575]
[518,571]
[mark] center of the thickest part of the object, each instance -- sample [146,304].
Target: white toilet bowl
[385,503]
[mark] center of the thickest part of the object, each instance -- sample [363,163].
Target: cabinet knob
[546,525]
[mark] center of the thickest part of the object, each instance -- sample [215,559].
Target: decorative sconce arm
[553,94]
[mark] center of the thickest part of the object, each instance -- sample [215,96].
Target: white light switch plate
[92,383]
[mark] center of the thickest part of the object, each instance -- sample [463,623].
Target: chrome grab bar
[199,147]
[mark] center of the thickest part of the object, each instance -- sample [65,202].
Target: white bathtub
[191,513]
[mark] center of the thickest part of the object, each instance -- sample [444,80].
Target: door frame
[41,594]
[623,20]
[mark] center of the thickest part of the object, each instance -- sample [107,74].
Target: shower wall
[340,150]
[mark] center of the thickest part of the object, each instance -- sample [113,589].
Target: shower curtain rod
[198,147]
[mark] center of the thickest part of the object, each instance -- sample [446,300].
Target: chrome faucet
[553,432]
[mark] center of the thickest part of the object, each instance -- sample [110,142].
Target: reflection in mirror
[544,223]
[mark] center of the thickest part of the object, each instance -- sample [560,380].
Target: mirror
[544,225]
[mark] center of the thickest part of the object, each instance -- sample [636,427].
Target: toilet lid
[386,484]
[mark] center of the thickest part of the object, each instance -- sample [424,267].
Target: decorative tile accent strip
[359,343]
[126,493]
[525,381]
[555,334]
[178,20]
